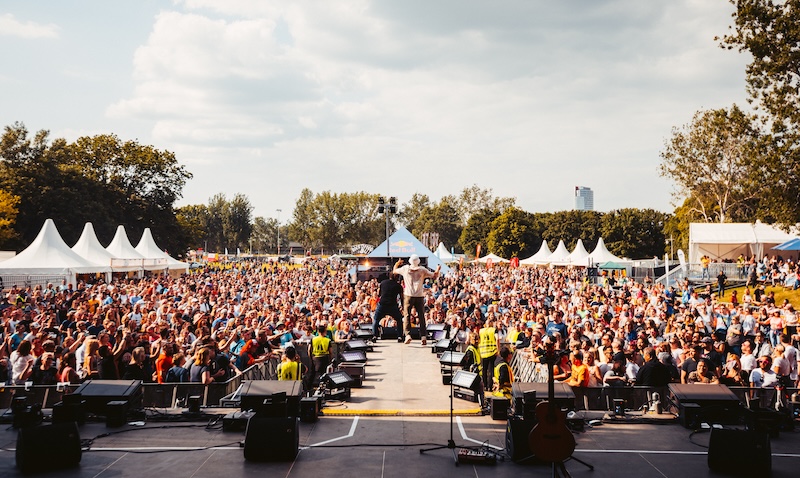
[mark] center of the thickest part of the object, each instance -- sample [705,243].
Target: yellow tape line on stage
[348,412]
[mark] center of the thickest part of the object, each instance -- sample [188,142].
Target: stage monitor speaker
[97,393]
[48,447]
[272,439]
[517,431]
[354,356]
[741,452]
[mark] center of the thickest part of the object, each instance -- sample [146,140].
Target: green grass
[780,294]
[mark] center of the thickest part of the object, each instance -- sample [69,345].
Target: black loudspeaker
[499,408]
[309,409]
[272,439]
[741,452]
[517,432]
[49,447]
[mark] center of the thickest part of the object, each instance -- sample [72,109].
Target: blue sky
[527,97]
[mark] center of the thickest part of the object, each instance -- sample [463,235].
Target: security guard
[290,368]
[472,362]
[503,375]
[320,352]
[489,345]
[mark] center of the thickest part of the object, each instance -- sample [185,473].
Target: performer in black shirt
[390,293]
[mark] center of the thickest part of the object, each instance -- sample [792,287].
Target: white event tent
[147,247]
[126,255]
[559,256]
[540,257]
[728,240]
[601,254]
[90,249]
[443,254]
[48,254]
[578,257]
[493,257]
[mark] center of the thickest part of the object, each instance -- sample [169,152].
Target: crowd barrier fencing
[155,395]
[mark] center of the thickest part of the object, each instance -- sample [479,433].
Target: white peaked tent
[579,256]
[601,254]
[559,256]
[727,241]
[126,256]
[494,257]
[540,257]
[90,249]
[148,248]
[48,254]
[443,254]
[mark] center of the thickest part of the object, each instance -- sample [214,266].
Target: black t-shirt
[689,365]
[389,291]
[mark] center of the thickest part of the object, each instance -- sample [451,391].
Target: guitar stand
[560,470]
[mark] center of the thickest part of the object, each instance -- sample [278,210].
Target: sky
[528,98]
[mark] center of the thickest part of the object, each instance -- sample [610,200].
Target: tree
[717,160]
[572,225]
[512,234]
[441,218]
[413,209]
[473,199]
[770,32]
[304,219]
[8,216]
[477,229]
[193,220]
[237,223]
[634,233]
[265,234]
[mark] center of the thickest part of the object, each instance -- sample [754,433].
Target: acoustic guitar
[551,440]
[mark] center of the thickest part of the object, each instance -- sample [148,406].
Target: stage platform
[403,379]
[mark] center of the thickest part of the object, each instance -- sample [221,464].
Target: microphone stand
[451,444]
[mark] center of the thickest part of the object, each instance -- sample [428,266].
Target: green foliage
[716,161]
[512,234]
[634,233]
[570,226]
[332,221]
[441,218]
[477,230]
[8,215]
[99,179]
[770,32]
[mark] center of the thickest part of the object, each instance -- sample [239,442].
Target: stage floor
[401,379]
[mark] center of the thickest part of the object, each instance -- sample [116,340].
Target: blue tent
[403,244]
[790,245]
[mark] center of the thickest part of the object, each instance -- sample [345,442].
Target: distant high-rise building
[584,199]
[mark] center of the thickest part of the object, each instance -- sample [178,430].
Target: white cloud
[529,97]
[10,26]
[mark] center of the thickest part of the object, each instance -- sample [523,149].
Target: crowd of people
[212,324]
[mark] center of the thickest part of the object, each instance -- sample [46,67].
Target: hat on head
[707,340]
[413,262]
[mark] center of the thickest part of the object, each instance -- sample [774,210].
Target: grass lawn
[780,294]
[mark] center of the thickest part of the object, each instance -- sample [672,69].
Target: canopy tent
[540,257]
[48,254]
[148,248]
[90,249]
[558,256]
[443,254]
[727,241]
[491,257]
[403,244]
[578,257]
[790,245]
[125,255]
[601,254]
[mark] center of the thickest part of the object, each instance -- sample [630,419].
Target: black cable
[700,430]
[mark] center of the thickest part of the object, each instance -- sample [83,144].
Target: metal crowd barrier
[601,398]
[158,395]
